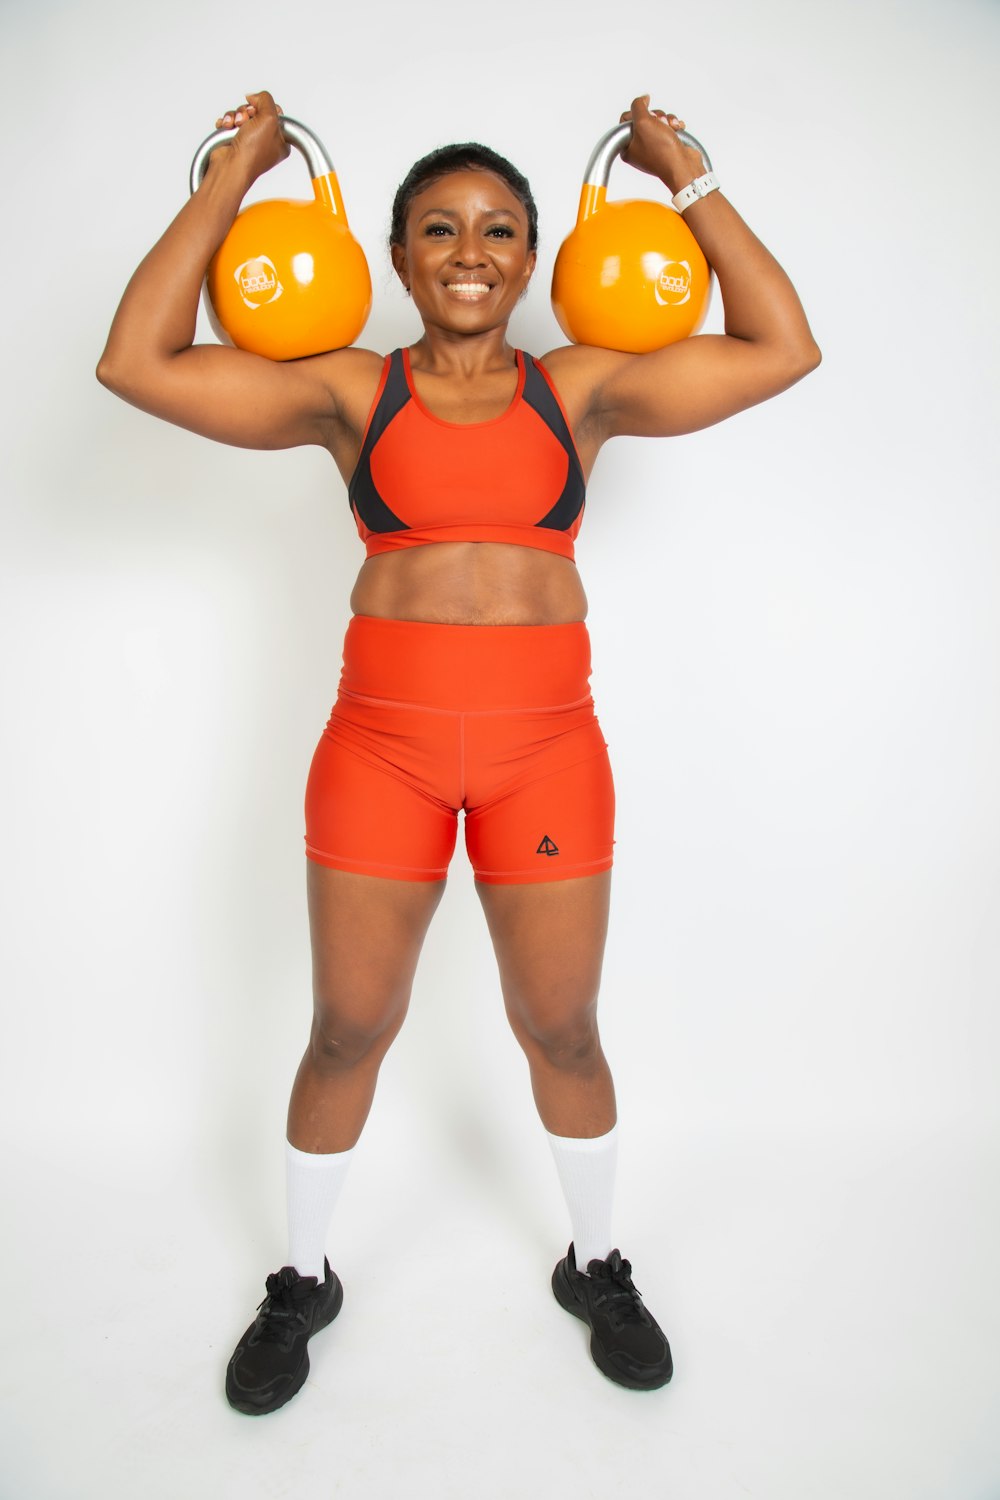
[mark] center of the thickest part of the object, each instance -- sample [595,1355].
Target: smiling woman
[465,685]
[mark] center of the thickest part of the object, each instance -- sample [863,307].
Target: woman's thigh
[366,935]
[549,942]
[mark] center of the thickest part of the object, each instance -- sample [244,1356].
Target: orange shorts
[493,719]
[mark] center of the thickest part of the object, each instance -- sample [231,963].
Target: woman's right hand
[227,394]
[259,143]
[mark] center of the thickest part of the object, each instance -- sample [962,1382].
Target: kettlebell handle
[317,158]
[613,143]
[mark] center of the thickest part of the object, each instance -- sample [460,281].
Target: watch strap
[699,188]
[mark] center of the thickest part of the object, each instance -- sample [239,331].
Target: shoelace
[278,1308]
[618,1290]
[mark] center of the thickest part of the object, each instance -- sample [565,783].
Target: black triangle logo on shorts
[547,846]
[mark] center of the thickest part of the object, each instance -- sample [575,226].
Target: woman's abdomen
[471,583]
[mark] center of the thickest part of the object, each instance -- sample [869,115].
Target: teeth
[468,288]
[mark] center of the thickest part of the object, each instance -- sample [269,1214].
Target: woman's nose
[469,252]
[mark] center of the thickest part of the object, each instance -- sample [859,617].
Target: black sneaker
[626,1342]
[271,1360]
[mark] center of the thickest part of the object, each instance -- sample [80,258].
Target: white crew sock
[586,1167]
[313,1184]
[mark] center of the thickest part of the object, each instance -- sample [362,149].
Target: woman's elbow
[812,356]
[121,376]
[108,373]
[802,359]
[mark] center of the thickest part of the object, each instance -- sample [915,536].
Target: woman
[466,660]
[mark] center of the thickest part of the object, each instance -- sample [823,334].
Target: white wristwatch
[700,188]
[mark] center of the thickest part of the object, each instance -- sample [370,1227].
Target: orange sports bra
[420,479]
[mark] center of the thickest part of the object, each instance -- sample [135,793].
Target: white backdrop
[796,636]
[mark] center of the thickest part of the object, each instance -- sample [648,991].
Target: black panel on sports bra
[361,491]
[538,394]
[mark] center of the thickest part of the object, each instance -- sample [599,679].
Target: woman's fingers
[235,117]
[256,104]
[640,106]
[259,141]
[654,145]
[263,101]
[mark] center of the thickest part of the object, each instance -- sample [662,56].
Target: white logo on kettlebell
[258,281]
[673,286]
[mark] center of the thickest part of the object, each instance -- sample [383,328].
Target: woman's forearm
[157,315]
[760,302]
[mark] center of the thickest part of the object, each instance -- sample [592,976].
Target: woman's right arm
[150,359]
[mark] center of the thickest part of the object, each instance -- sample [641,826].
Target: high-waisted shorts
[493,719]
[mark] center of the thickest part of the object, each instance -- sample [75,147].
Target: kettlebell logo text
[258,281]
[673,285]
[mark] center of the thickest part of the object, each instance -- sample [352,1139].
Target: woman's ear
[529,271]
[399,265]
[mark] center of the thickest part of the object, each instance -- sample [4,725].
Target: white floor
[831,1304]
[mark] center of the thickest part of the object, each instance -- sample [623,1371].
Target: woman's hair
[461,158]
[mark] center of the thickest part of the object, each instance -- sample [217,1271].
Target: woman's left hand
[655,148]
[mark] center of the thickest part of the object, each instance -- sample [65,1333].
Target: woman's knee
[340,1041]
[570,1043]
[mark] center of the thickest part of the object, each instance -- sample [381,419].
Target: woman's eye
[496,231]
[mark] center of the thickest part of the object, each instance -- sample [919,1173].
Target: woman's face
[466,260]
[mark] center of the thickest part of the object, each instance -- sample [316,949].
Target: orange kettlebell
[289,279]
[631,275]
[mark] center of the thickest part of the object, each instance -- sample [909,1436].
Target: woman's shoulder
[352,363]
[581,363]
[352,376]
[578,371]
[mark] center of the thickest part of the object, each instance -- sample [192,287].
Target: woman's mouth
[468,291]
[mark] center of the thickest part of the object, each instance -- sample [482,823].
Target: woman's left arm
[767,345]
